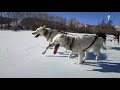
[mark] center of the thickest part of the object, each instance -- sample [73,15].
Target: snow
[21,57]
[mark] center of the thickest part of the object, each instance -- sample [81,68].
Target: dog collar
[71,44]
[45,32]
[49,35]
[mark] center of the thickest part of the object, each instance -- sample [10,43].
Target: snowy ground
[21,57]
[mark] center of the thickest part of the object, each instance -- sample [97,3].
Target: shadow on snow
[91,55]
[105,67]
[115,48]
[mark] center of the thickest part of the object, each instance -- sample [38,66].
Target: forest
[31,20]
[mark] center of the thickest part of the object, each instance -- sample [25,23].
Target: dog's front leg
[97,53]
[80,57]
[97,56]
[66,50]
[85,57]
[70,54]
[50,45]
[45,50]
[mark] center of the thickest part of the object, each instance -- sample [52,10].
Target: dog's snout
[33,33]
[37,35]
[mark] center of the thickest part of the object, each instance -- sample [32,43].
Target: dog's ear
[59,33]
[44,26]
[62,32]
[40,26]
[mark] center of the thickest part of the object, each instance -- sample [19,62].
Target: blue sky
[92,18]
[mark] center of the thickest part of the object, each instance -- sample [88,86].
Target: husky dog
[115,39]
[78,45]
[48,33]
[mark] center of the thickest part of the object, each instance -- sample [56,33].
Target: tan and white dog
[78,45]
[48,33]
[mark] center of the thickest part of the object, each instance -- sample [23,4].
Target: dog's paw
[70,57]
[98,61]
[77,63]
[83,61]
[43,52]
[51,48]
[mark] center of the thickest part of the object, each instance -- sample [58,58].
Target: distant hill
[117,27]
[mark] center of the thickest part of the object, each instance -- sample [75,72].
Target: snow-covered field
[21,57]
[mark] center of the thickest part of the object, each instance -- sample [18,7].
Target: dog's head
[59,40]
[39,31]
[100,34]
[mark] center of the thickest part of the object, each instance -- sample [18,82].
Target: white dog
[48,33]
[115,39]
[78,45]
